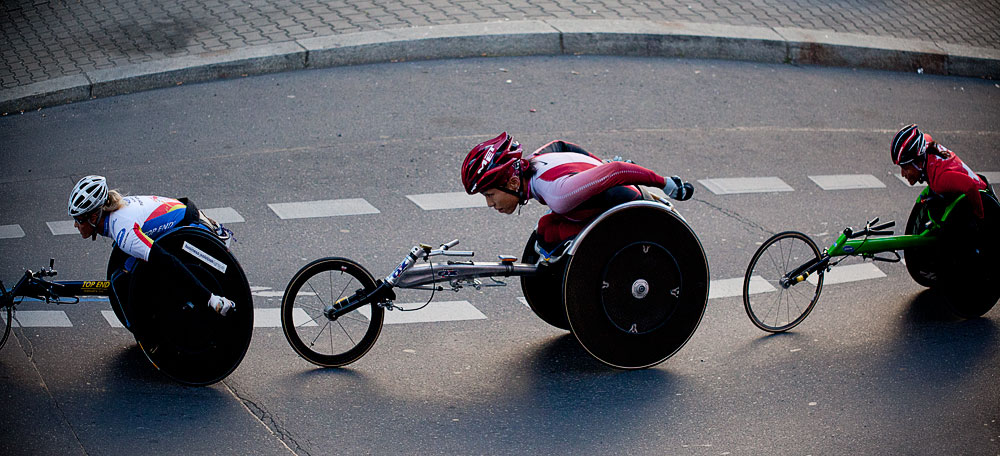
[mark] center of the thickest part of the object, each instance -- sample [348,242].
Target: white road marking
[434,312]
[847,181]
[62,227]
[40,319]
[271,318]
[735,185]
[453,200]
[224,215]
[726,288]
[850,273]
[524,301]
[270,293]
[11,231]
[324,208]
[112,319]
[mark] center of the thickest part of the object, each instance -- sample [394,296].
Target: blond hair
[115,201]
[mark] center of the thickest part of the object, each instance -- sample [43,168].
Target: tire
[920,260]
[968,288]
[788,305]
[315,286]
[188,341]
[544,290]
[634,296]
[8,320]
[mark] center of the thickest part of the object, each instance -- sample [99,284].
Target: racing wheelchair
[631,287]
[188,342]
[944,249]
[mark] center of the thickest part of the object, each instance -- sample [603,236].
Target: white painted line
[11,231]
[325,208]
[270,293]
[524,301]
[453,200]
[112,319]
[907,183]
[850,273]
[271,318]
[727,288]
[434,312]
[734,185]
[224,215]
[62,227]
[847,181]
[41,319]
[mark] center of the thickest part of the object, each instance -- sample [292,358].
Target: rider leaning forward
[574,184]
[921,159]
[135,222]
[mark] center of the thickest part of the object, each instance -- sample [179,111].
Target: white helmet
[89,194]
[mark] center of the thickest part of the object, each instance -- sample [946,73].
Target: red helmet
[908,145]
[491,163]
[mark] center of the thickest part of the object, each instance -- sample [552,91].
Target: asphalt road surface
[878,367]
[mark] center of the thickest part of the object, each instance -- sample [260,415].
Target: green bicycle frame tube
[871,246]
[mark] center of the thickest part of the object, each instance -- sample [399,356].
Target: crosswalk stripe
[849,273]
[453,200]
[434,312]
[324,208]
[11,231]
[41,319]
[112,319]
[224,215]
[62,227]
[847,181]
[271,318]
[726,288]
[736,185]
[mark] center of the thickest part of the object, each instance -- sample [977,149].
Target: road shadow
[935,346]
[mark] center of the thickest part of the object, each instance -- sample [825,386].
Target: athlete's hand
[682,190]
[220,304]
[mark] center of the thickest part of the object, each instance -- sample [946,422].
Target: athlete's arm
[568,192]
[955,182]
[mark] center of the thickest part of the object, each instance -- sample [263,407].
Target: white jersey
[142,220]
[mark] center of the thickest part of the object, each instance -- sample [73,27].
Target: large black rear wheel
[636,285]
[968,286]
[188,341]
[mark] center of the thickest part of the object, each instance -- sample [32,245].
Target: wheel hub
[640,288]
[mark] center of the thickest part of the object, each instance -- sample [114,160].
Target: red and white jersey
[950,175]
[565,180]
[142,220]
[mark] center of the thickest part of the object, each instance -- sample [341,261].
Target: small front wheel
[774,301]
[318,339]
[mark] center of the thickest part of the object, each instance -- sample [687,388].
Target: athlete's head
[89,199]
[493,168]
[909,150]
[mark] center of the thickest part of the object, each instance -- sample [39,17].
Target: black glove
[683,190]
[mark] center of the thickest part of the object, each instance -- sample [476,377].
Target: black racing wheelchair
[188,342]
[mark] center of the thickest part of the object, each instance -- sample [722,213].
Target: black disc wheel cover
[636,287]
[189,341]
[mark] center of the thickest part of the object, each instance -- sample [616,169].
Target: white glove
[220,304]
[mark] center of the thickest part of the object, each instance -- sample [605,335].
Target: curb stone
[521,38]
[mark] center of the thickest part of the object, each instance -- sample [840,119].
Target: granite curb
[521,38]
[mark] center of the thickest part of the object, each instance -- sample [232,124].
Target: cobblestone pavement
[47,39]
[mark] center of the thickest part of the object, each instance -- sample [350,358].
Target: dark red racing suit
[578,186]
[951,176]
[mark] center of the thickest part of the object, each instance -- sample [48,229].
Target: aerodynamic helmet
[90,194]
[491,163]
